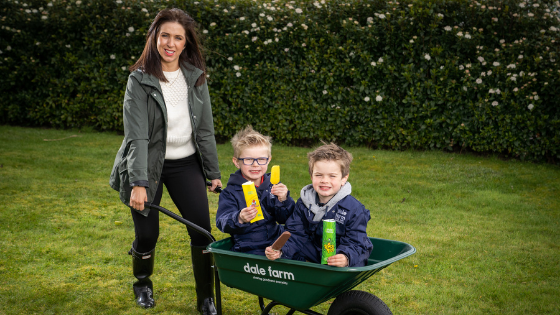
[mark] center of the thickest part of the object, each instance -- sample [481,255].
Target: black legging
[186,185]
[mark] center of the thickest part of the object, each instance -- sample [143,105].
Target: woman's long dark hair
[150,60]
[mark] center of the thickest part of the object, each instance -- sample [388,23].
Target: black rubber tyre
[358,303]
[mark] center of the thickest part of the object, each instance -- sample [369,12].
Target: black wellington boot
[204,280]
[142,268]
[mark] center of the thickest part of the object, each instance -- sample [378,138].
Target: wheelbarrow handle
[182,220]
[218,188]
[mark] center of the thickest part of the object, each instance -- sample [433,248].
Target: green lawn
[486,231]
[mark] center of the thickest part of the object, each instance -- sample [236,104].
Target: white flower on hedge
[427,57]
[461,67]
[253,25]
[480,58]
[304,26]
[447,28]
[261,15]
[536,98]
[68,46]
[242,18]
[289,25]
[530,14]
[236,67]
[552,28]
[112,56]
[511,66]
[370,20]
[441,67]
[276,39]
[521,73]
[381,16]
[212,24]
[380,60]
[495,63]
[298,10]
[225,11]
[245,32]
[366,99]
[379,98]
[491,91]
[49,4]
[44,17]
[238,74]
[131,29]
[530,107]
[536,5]
[489,72]
[254,39]
[520,57]
[27,11]
[522,5]
[373,63]
[464,88]
[230,58]
[494,103]
[144,10]
[468,36]
[303,45]
[205,32]
[123,68]
[513,79]
[440,15]
[325,92]
[78,2]
[478,81]
[515,89]
[38,43]
[460,34]
[269,18]
[411,41]
[286,49]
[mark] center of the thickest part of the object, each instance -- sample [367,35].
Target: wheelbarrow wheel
[358,303]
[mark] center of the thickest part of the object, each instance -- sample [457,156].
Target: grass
[486,230]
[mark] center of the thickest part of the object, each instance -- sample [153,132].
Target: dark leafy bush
[442,74]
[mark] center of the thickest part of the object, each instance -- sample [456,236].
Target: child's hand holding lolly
[247,214]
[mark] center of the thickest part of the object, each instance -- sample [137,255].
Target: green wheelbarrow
[299,285]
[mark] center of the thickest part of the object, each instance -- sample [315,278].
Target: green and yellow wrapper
[329,240]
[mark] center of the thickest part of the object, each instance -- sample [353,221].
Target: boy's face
[327,179]
[255,171]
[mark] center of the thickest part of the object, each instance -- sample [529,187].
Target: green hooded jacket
[142,153]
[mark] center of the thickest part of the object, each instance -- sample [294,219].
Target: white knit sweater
[179,128]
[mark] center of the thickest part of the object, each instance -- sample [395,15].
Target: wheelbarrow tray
[299,285]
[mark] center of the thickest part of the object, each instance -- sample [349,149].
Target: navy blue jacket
[252,238]
[351,238]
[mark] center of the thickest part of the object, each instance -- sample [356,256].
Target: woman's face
[170,44]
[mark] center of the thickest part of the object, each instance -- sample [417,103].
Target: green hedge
[445,74]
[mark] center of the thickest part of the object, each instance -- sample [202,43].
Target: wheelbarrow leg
[218,291]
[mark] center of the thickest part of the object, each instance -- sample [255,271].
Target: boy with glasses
[251,155]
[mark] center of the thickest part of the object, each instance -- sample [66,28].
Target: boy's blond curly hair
[330,152]
[246,138]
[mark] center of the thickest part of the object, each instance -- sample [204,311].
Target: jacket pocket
[125,188]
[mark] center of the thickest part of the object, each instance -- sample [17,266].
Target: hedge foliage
[425,74]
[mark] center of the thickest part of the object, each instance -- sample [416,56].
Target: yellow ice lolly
[251,198]
[275,175]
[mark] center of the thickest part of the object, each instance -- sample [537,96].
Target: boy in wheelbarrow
[252,154]
[328,197]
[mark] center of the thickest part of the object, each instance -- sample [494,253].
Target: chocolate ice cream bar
[281,241]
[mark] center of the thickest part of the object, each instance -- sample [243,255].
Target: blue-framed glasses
[251,161]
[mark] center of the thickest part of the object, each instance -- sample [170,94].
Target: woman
[169,140]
